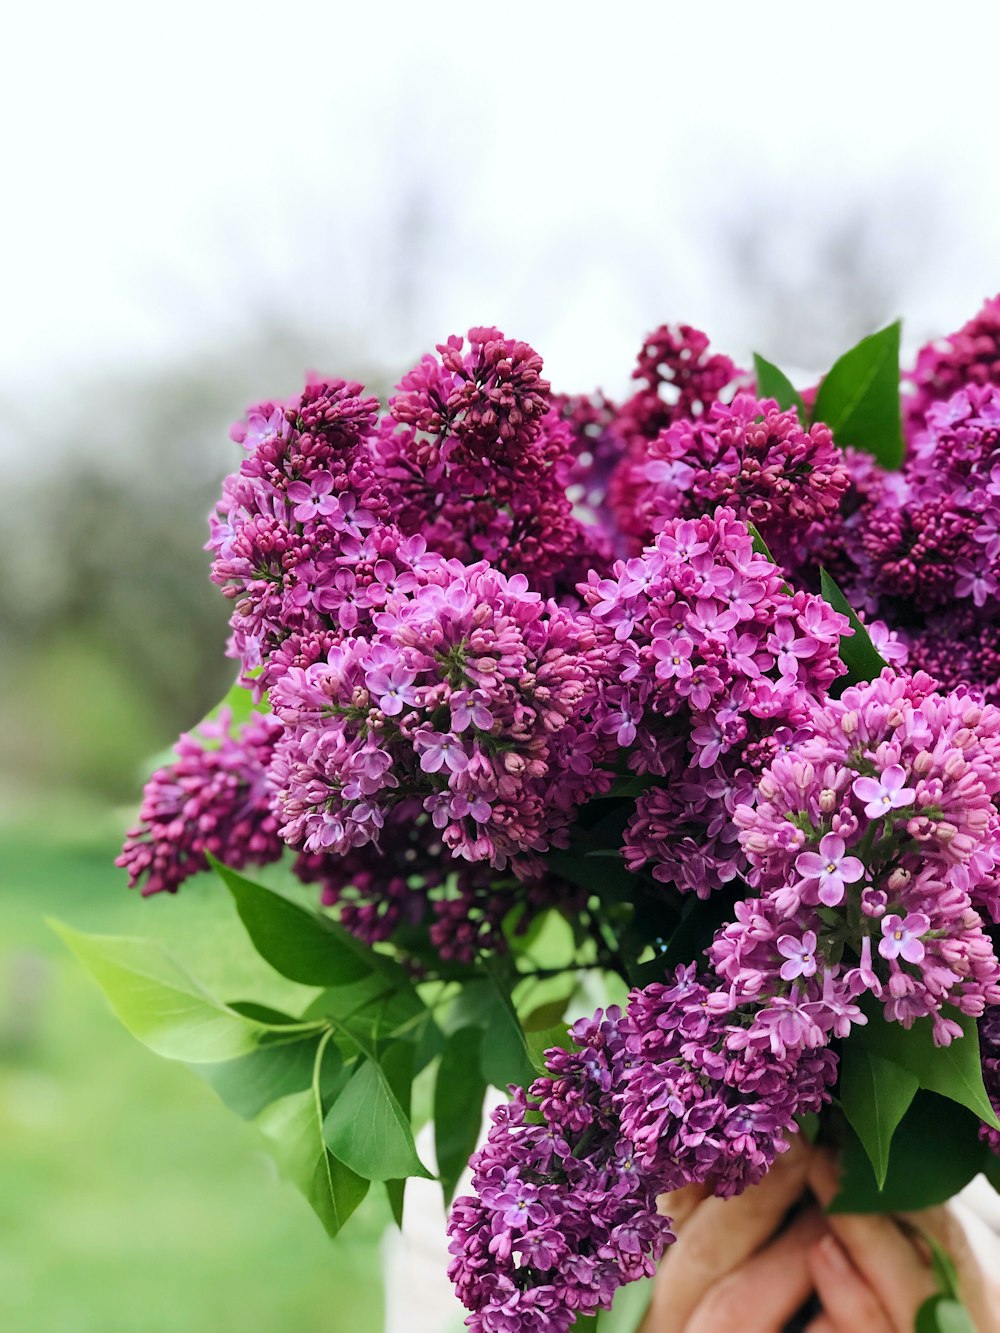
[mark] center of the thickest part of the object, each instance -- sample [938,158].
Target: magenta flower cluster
[708,665]
[921,548]
[874,845]
[749,456]
[471,694]
[213,799]
[562,1215]
[669,1093]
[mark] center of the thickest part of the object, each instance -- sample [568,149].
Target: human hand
[721,1275]
[872,1271]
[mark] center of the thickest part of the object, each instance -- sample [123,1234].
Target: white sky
[174,173]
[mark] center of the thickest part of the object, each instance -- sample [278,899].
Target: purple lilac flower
[483,649]
[970,356]
[749,456]
[831,868]
[926,766]
[214,798]
[902,938]
[705,656]
[885,793]
[560,1217]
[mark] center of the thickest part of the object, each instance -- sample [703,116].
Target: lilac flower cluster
[749,456]
[708,664]
[921,549]
[680,379]
[214,798]
[708,1094]
[472,694]
[874,845]
[333,511]
[674,1091]
[969,357]
[474,456]
[561,1215]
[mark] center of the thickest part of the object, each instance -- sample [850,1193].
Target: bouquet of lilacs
[688,703]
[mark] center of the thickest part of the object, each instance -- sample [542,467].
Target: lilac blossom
[831,868]
[693,634]
[929,774]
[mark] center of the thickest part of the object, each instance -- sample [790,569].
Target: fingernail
[832,1254]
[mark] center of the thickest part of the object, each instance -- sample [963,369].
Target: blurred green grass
[132,1201]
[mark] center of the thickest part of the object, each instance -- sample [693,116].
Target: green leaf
[607,876]
[628,1308]
[301,944]
[936,1150]
[857,652]
[859,398]
[875,1094]
[294,1127]
[759,544]
[367,1127]
[273,1071]
[774,383]
[159,1002]
[505,1057]
[952,1071]
[239,700]
[458,1106]
[943,1267]
[395,1191]
[585,1323]
[942,1314]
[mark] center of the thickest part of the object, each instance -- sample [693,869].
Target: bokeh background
[203,200]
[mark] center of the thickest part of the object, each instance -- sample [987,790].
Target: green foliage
[936,1150]
[161,1004]
[330,1091]
[774,383]
[875,1094]
[628,1309]
[458,1106]
[294,1127]
[857,652]
[298,943]
[367,1127]
[952,1071]
[943,1314]
[505,1057]
[249,1084]
[890,1076]
[859,398]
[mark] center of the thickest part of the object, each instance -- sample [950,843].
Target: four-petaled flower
[902,938]
[885,793]
[440,749]
[831,868]
[313,497]
[800,955]
[392,687]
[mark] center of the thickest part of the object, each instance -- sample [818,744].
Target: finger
[762,1294]
[847,1299]
[680,1204]
[824,1324]
[720,1234]
[882,1254]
